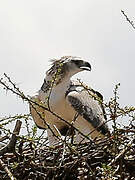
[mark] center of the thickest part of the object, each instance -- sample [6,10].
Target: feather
[88,107]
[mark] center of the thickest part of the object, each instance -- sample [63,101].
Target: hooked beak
[85,66]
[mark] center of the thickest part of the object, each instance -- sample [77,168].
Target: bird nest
[29,158]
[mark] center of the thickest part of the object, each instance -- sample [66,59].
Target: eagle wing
[90,110]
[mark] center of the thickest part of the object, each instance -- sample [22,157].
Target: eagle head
[67,66]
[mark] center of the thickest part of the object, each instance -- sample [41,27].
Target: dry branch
[11,146]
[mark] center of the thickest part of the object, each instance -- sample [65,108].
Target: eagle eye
[77,62]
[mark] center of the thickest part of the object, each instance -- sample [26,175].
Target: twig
[130,22]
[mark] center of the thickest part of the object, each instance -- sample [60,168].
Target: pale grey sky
[32,32]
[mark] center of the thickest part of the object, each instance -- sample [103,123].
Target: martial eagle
[73,104]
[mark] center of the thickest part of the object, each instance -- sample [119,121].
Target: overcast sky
[32,32]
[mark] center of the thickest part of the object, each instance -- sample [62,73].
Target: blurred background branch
[128,19]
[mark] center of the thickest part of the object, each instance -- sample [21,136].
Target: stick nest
[111,158]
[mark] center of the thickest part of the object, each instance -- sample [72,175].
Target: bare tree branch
[127,18]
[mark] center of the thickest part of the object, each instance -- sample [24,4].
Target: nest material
[111,158]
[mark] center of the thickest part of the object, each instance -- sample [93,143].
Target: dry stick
[11,146]
[7,170]
[114,117]
[18,116]
[51,87]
